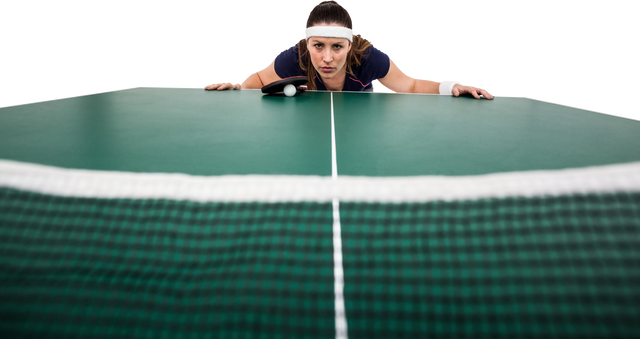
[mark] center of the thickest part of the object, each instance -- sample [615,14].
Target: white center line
[338,273]
[334,161]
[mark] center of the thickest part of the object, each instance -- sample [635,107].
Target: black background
[572,56]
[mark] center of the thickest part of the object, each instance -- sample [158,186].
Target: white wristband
[446,87]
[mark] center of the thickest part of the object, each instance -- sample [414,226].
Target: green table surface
[245,132]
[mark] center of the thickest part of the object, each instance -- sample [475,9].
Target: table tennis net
[532,254]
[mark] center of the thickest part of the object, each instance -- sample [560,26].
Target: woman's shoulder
[375,60]
[286,63]
[374,55]
[374,64]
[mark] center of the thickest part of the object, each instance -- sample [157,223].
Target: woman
[334,59]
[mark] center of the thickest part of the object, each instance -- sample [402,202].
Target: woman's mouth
[326,69]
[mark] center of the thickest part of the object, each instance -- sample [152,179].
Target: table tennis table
[184,213]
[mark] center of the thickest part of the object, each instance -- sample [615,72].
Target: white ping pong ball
[289,90]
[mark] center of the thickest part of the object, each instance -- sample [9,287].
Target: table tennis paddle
[279,85]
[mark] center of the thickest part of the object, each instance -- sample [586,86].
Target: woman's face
[328,55]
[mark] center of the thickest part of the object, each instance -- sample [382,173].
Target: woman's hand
[222,87]
[471,91]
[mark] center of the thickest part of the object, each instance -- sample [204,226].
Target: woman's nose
[327,57]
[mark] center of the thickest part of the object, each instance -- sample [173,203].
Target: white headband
[330,32]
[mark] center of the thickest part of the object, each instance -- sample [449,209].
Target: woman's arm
[399,82]
[254,81]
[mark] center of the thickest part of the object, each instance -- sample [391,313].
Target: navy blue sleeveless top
[374,65]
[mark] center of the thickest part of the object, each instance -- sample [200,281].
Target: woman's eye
[321,46]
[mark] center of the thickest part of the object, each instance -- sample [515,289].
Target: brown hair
[329,12]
